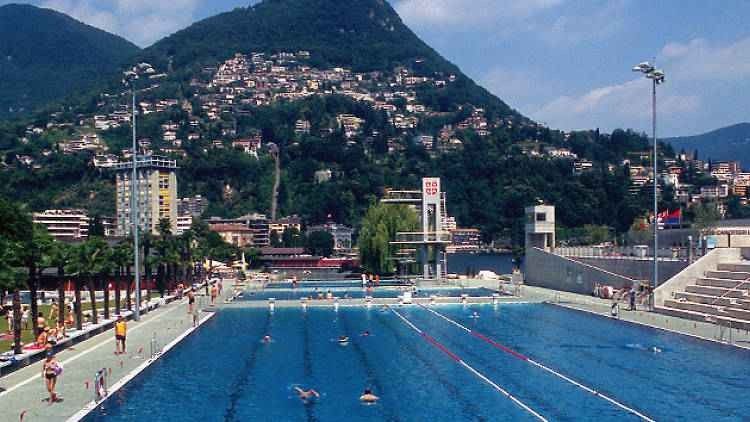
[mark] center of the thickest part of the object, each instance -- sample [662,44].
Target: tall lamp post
[130,78]
[657,78]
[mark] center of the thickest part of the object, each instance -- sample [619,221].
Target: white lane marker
[541,366]
[461,362]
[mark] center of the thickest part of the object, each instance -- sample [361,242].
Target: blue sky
[562,62]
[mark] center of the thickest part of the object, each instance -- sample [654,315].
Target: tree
[15,230]
[292,238]
[59,257]
[122,258]
[90,260]
[705,216]
[35,250]
[274,238]
[320,243]
[379,227]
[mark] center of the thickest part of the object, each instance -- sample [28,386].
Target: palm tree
[164,256]
[105,265]
[35,249]
[60,256]
[90,260]
[15,229]
[122,257]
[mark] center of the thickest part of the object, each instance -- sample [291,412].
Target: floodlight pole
[134,217]
[654,281]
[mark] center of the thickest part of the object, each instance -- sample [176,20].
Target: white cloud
[623,105]
[591,24]
[140,21]
[698,59]
[469,12]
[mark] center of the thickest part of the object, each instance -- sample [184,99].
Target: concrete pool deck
[24,392]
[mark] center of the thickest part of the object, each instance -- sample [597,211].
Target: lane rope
[539,365]
[461,362]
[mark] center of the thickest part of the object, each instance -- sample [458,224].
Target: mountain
[727,143]
[354,104]
[366,35]
[46,55]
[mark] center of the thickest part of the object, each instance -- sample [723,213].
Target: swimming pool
[226,373]
[359,293]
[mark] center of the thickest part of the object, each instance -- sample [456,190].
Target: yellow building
[157,193]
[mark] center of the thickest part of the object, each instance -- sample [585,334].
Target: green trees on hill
[47,55]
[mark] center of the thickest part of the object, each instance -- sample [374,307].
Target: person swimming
[266,339]
[368,397]
[343,339]
[306,395]
[365,333]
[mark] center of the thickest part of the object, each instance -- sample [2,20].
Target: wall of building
[548,270]
[637,269]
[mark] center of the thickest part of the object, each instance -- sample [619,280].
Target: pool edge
[93,405]
[646,324]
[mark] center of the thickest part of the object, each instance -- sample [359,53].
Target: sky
[564,63]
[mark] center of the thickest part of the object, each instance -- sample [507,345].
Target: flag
[674,217]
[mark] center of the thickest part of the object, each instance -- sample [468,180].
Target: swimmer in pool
[475,314]
[366,333]
[656,349]
[368,397]
[343,339]
[266,338]
[306,395]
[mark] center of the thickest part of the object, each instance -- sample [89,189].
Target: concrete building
[65,224]
[236,234]
[465,240]
[540,227]
[281,224]
[193,206]
[184,222]
[257,223]
[157,193]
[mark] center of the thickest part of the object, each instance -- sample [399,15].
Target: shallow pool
[225,372]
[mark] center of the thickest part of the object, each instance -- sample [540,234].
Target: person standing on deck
[121,329]
[51,369]
[214,293]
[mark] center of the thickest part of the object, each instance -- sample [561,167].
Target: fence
[638,252]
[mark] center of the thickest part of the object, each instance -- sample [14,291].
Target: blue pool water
[224,372]
[359,293]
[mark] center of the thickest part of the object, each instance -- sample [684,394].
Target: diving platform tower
[430,242]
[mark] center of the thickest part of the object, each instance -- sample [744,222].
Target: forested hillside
[47,56]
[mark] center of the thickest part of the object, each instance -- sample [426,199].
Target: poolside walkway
[23,392]
[704,330]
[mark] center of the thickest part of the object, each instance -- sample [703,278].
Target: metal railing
[423,237]
[623,252]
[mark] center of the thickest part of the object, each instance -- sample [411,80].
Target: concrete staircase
[721,295]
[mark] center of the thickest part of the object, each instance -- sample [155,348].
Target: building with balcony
[156,193]
[235,234]
[65,224]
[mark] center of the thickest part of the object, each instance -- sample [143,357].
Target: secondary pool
[359,293]
[224,371]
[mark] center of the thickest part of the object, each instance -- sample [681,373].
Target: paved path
[24,390]
[739,338]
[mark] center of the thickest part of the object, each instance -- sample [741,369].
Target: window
[541,217]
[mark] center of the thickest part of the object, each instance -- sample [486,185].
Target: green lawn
[27,336]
